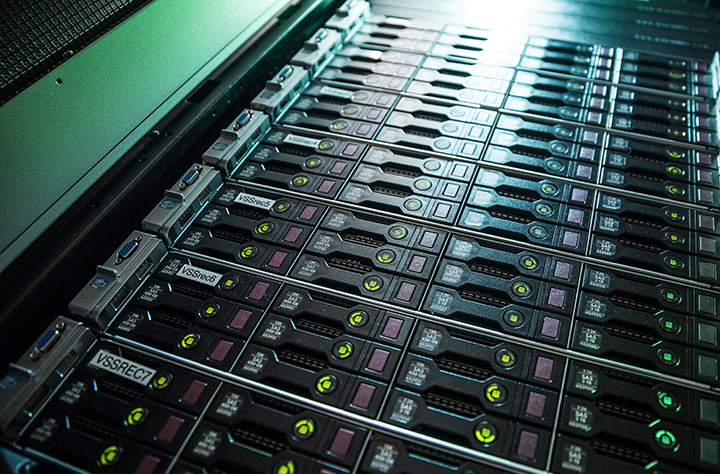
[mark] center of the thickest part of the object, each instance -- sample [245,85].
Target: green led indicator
[342,350]
[549,189]
[672,189]
[299,181]
[529,262]
[358,319]
[505,358]
[248,252]
[670,296]
[385,256]
[423,184]
[675,170]
[554,165]
[544,209]
[669,324]
[304,429]
[521,289]
[313,162]
[281,206]
[559,148]
[665,439]
[265,228]
[372,283]
[285,467]
[667,401]
[412,204]
[514,319]
[326,384]
[398,233]
[668,357]
[538,232]
[486,432]
[350,110]
[326,145]
[562,131]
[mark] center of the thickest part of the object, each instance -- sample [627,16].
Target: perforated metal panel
[38,35]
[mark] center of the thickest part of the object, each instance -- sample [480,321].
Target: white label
[376,155]
[45,430]
[254,201]
[605,248]
[302,141]
[611,203]
[211,216]
[618,142]
[230,405]
[430,339]
[609,224]
[441,302]
[332,92]
[580,417]
[621,122]
[323,243]
[453,274]
[417,373]
[193,239]
[256,362]
[388,135]
[199,275]
[402,22]
[629,67]
[474,219]
[73,394]
[208,443]
[366,174]
[595,308]
[574,459]
[337,220]
[626,95]
[482,198]
[587,380]
[123,367]
[404,410]
[615,178]
[354,194]
[309,268]
[617,159]
[489,178]
[130,323]
[292,301]
[599,279]
[385,458]
[462,249]
[248,171]
[274,330]
[590,338]
[623,108]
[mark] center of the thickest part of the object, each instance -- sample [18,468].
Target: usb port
[143,269]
